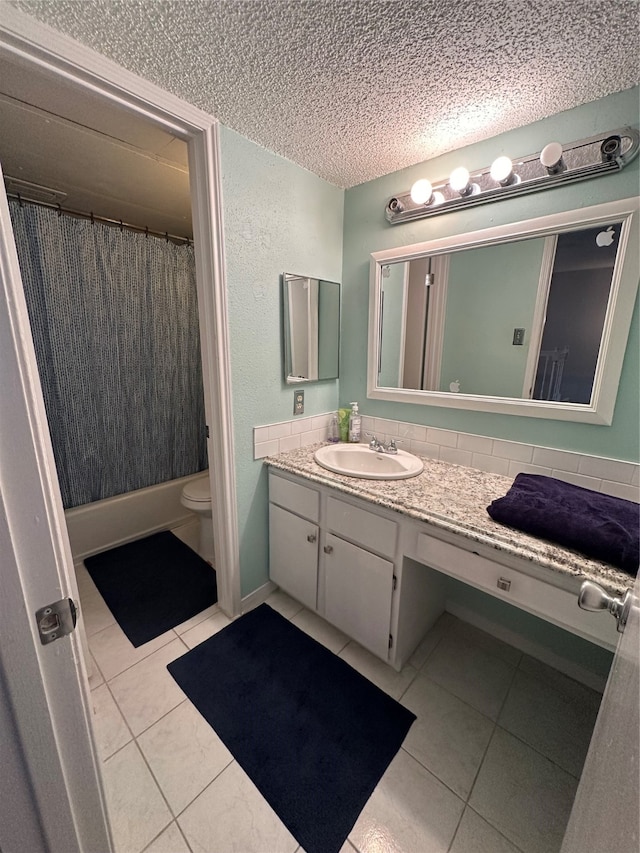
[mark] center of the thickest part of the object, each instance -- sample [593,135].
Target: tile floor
[491,764]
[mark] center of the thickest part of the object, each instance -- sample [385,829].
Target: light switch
[518,337]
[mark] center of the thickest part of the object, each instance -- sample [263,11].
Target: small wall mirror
[531,318]
[311,328]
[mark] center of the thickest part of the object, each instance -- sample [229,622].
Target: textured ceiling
[354,89]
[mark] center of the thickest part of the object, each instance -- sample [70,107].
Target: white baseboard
[529,647]
[258,596]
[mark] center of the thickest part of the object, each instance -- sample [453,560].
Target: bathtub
[104,524]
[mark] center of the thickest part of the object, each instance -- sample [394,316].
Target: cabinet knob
[328,549]
[311,537]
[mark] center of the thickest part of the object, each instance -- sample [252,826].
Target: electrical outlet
[298,402]
[518,337]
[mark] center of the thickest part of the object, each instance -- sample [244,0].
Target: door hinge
[56,620]
[390,641]
[395,583]
[207,428]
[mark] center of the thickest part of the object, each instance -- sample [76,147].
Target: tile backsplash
[497,456]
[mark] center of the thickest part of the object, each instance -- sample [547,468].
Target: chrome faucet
[379,447]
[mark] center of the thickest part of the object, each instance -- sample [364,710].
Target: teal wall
[483,309]
[366,230]
[278,218]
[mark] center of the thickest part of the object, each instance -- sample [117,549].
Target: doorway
[137,150]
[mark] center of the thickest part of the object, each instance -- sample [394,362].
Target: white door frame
[51,794]
[32,44]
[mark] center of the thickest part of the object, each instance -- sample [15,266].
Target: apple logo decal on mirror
[605,238]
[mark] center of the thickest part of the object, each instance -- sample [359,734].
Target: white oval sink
[357,460]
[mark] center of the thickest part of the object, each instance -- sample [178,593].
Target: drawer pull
[504,584]
[328,549]
[311,537]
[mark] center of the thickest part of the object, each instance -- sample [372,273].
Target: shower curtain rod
[118,223]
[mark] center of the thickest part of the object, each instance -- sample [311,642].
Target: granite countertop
[454,498]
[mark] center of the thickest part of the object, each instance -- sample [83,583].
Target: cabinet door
[358,590]
[293,555]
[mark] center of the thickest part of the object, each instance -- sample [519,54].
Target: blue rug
[153,584]
[313,734]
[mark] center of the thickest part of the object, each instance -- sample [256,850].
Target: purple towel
[599,526]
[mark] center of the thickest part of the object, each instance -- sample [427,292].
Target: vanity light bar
[554,165]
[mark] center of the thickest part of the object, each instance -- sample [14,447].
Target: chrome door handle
[593,597]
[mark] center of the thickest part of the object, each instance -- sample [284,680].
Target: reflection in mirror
[535,314]
[457,323]
[311,328]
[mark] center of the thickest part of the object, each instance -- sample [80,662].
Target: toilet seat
[198,491]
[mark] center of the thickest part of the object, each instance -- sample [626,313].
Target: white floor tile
[231,815]
[523,794]
[431,640]
[320,630]
[137,811]
[475,835]
[184,754]
[95,613]
[471,674]
[284,604]
[169,841]
[556,723]
[487,642]
[114,652]
[377,671]
[146,691]
[205,629]
[109,726]
[449,737]
[196,620]
[410,811]
[95,676]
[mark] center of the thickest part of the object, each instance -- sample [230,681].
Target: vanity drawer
[373,532]
[299,499]
[542,599]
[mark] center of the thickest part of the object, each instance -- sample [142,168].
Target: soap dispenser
[355,423]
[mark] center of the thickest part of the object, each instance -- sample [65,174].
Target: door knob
[328,549]
[311,537]
[593,597]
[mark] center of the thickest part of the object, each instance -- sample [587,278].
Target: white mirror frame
[617,321]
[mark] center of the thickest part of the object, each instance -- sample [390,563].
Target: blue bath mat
[153,584]
[313,734]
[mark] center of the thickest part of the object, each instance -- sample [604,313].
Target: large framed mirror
[311,328]
[530,319]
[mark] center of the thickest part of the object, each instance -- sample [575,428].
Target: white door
[50,788]
[606,811]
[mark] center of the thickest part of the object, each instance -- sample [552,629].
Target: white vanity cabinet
[382,577]
[350,578]
[294,511]
[358,576]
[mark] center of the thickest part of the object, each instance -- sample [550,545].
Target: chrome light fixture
[556,164]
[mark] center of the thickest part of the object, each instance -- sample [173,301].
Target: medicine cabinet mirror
[311,328]
[531,318]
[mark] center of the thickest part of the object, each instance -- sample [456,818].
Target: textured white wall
[278,218]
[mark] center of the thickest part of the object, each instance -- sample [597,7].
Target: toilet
[196,496]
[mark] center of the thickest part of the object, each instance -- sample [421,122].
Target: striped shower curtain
[115,326]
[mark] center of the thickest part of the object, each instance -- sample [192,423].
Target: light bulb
[421,191]
[551,158]
[502,170]
[437,198]
[459,180]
